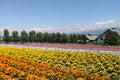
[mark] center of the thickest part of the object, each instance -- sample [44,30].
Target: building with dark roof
[101,38]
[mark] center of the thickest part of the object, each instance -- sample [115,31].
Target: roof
[91,37]
[112,29]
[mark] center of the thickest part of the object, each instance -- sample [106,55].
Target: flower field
[73,46]
[37,64]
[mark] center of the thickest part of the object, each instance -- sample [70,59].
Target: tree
[53,37]
[32,36]
[6,35]
[83,38]
[71,38]
[39,37]
[10,39]
[46,37]
[24,36]
[79,36]
[75,38]
[49,37]
[15,36]
[112,38]
[58,37]
[65,38]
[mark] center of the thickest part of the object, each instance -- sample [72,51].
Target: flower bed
[73,46]
[58,64]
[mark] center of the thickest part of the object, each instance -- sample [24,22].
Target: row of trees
[112,38]
[33,36]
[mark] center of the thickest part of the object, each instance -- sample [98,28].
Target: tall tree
[53,37]
[32,36]
[71,38]
[10,39]
[6,35]
[24,36]
[112,38]
[79,36]
[65,38]
[49,37]
[39,37]
[83,38]
[75,38]
[58,37]
[15,36]
[46,37]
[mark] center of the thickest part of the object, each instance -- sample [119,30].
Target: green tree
[83,38]
[58,37]
[39,37]
[46,37]
[53,37]
[71,38]
[10,38]
[15,36]
[65,38]
[112,38]
[49,37]
[75,38]
[78,36]
[6,35]
[24,36]
[32,36]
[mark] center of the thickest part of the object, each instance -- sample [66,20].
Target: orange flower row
[16,68]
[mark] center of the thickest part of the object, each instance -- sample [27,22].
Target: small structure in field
[79,41]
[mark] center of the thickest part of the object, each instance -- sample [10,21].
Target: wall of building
[101,39]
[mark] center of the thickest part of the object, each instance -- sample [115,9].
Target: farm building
[102,37]
[91,38]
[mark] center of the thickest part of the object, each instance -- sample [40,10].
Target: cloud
[80,28]
[98,26]
[70,29]
[42,29]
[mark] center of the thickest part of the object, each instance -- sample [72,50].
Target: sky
[59,15]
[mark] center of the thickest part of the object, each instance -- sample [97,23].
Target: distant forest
[34,36]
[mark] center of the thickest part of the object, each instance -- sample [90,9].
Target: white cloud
[97,26]
[106,22]
[42,29]
[72,28]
